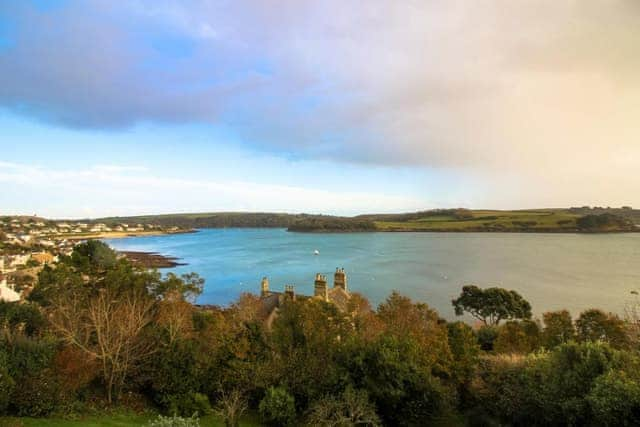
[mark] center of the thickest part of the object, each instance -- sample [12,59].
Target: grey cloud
[491,85]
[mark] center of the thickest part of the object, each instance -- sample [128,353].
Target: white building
[7,293]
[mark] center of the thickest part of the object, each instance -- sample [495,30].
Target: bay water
[552,271]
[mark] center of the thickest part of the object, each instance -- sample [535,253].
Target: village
[28,243]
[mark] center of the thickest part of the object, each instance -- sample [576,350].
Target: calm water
[551,270]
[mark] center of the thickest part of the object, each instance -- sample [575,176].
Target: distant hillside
[583,219]
[210,220]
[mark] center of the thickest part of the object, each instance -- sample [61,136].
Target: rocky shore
[151,259]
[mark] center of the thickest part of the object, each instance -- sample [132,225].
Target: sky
[334,106]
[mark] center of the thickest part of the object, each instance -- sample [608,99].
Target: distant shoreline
[124,234]
[151,259]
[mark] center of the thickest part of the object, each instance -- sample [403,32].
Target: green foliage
[517,337]
[350,408]
[403,389]
[93,255]
[603,222]
[327,223]
[277,408]
[615,399]
[306,337]
[465,350]
[29,363]
[487,336]
[491,305]
[25,318]
[556,388]
[596,325]
[173,376]
[174,421]
[558,328]
[6,382]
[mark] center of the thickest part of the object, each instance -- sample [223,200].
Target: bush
[615,400]
[189,404]
[36,396]
[517,337]
[21,317]
[487,336]
[6,383]
[351,408]
[277,408]
[174,421]
[28,364]
[595,325]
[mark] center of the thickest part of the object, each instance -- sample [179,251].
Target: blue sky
[156,106]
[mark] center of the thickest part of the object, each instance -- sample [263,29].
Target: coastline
[151,259]
[124,234]
[468,230]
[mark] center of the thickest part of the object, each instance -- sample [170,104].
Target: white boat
[316,252]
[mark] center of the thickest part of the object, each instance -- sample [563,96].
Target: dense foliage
[98,331]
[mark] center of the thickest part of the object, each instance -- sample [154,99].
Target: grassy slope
[485,220]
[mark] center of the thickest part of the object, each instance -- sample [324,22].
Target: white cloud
[100,191]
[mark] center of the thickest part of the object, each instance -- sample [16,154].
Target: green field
[488,220]
[119,420]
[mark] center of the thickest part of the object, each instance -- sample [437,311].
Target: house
[6,292]
[337,295]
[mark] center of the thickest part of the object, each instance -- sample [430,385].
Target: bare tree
[231,405]
[107,328]
[351,408]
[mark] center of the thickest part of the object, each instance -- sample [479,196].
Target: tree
[402,318]
[465,351]
[277,407]
[393,372]
[596,325]
[93,255]
[558,328]
[231,405]
[615,399]
[107,327]
[351,408]
[491,305]
[517,337]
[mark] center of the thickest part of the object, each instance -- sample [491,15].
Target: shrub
[6,383]
[21,317]
[558,328]
[464,349]
[174,421]
[277,408]
[28,364]
[517,337]
[487,336]
[188,404]
[595,325]
[36,396]
[351,408]
[615,400]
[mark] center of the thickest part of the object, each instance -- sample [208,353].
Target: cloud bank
[104,190]
[549,90]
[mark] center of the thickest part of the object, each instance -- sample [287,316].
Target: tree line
[98,332]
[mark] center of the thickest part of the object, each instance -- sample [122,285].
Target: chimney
[340,279]
[320,287]
[289,292]
[264,287]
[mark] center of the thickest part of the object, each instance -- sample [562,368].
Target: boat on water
[316,252]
